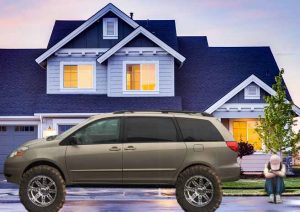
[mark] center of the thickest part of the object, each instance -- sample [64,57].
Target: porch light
[49,132]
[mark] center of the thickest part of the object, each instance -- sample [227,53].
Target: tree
[275,129]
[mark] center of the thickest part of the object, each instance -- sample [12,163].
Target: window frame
[249,96]
[124,132]
[65,141]
[77,90]
[140,62]
[115,35]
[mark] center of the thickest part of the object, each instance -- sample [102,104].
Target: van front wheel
[198,188]
[42,188]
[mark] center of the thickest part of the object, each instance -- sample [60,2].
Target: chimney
[131,15]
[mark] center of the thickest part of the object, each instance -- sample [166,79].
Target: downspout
[41,127]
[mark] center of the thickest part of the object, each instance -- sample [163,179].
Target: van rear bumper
[229,172]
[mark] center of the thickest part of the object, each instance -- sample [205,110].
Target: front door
[151,152]
[97,154]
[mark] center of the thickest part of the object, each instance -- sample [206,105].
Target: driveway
[127,199]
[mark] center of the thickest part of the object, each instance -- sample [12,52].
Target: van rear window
[198,130]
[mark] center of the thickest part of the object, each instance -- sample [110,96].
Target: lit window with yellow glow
[141,77]
[78,76]
[244,130]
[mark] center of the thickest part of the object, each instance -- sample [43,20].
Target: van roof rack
[164,111]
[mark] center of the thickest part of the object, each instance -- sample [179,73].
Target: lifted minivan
[190,151]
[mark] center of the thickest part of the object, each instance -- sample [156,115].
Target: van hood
[33,142]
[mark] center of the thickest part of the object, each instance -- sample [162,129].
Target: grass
[255,187]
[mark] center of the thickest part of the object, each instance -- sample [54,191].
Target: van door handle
[130,148]
[114,148]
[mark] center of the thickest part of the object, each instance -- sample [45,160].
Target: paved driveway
[114,199]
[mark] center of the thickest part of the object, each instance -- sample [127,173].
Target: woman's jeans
[274,185]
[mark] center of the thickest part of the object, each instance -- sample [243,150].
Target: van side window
[149,129]
[99,132]
[198,130]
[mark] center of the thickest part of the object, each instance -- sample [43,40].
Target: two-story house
[112,62]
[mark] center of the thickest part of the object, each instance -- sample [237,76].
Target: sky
[274,23]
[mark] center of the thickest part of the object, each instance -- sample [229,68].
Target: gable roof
[237,89]
[76,27]
[136,32]
[165,30]
[209,73]
[85,25]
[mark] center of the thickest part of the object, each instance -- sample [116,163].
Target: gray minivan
[190,151]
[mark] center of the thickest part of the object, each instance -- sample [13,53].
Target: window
[245,131]
[141,76]
[3,129]
[24,128]
[198,130]
[149,129]
[99,132]
[78,76]
[252,92]
[110,28]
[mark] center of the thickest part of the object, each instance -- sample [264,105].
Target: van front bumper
[12,171]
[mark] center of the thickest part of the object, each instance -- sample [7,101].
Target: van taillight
[233,145]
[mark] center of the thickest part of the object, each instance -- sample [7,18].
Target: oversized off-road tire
[198,188]
[42,188]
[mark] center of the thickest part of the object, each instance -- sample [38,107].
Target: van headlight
[18,152]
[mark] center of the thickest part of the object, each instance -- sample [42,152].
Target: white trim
[85,25]
[237,89]
[136,32]
[76,90]
[66,114]
[156,91]
[57,122]
[93,52]
[115,35]
[241,107]
[247,95]
[66,52]
[11,118]
[296,109]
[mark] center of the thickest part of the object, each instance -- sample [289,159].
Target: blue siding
[141,41]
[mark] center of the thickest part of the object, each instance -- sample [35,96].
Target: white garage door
[13,136]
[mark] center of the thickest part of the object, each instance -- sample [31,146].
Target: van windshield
[62,135]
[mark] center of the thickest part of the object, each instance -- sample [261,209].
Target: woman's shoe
[278,199]
[271,198]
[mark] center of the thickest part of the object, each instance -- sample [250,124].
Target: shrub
[245,149]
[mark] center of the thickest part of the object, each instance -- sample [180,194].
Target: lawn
[255,187]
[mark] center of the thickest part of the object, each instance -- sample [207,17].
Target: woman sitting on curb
[274,172]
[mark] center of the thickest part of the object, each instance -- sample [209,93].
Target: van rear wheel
[42,188]
[198,188]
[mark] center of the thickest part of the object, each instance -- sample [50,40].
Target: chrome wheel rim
[198,191]
[42,191]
